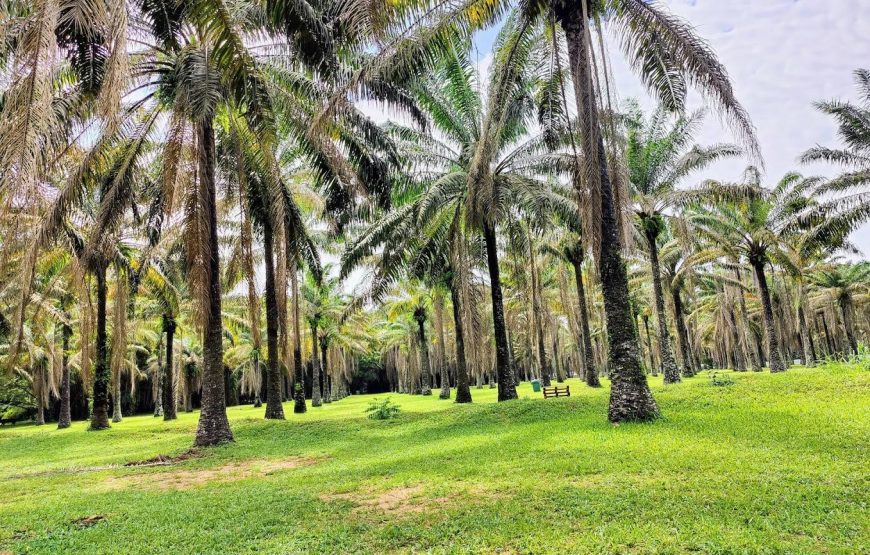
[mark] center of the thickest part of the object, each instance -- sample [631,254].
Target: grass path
[771,464]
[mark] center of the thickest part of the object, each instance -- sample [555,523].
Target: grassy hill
[770,464]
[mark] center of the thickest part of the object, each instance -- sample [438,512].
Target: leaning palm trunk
[666,352]
[773,353]
[214,427]
[506,388]
[630,397]
[316,400]
[274,409]
[463,389]
[100,413]
[64,419]
[168,394]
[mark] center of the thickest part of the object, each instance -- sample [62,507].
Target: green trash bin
[536,385]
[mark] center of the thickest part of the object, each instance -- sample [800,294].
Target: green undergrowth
[769,464]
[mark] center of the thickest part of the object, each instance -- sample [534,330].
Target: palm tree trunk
[806,336]
[652,363]
[38,373]
[848,324]
[463,389]
[169,404]
[749,353]
[506,388]
[425,371]
[274,409]
[682,332]
[100,414]
[538,316]
[773,354]
[630,397]
[158,397]
[324,365]
[442,345]
[213,427]
[669,365]
[316,399]
[591,375]
[64,419]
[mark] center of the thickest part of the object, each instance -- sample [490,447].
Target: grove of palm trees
[292,276]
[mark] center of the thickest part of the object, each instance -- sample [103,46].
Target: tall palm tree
[755,230]
[660,157]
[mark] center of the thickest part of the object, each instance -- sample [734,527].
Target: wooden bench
[557,391]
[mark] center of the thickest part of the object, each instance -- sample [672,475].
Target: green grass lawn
[771,464]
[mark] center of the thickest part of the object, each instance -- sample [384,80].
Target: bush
[382,410]
[720,380]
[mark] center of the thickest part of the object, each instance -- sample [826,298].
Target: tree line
[161,159]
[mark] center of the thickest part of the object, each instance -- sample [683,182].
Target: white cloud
[782,56]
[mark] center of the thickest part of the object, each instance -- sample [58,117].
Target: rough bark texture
[214,427]
[538,317]
[169,403]
[463,389]
[100,414]
[39,391]
[773,353]
[299,405]
[506,388]
[739,362]
[158,398]
[666,352]
[274,409]
[316,399]
[64,419]
[630,397]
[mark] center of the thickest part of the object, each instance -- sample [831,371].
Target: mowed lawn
[771,464]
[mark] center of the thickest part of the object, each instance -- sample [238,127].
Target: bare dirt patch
[164,460]
[398,500]
[88,521]
[180,480]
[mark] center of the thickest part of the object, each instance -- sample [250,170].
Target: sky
[782,55]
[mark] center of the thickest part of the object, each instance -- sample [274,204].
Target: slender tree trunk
[806,336]
[463,389]
[538,316]
[324,365]
[38,373]
[848,324]
[740,363]
[169,403]
[100,414]
[213,427]
[591,375]
[64,419]
[630,397]
[425,371]
[682,332]
[316,399]
[669,365]
[442,363]
[773,354]
[506,388]
[274,408]
[158,398]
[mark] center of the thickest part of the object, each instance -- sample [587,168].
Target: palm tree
[755,230]
[844,282]
[660,158]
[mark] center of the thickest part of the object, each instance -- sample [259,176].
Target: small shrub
[720,380]
[382,410]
